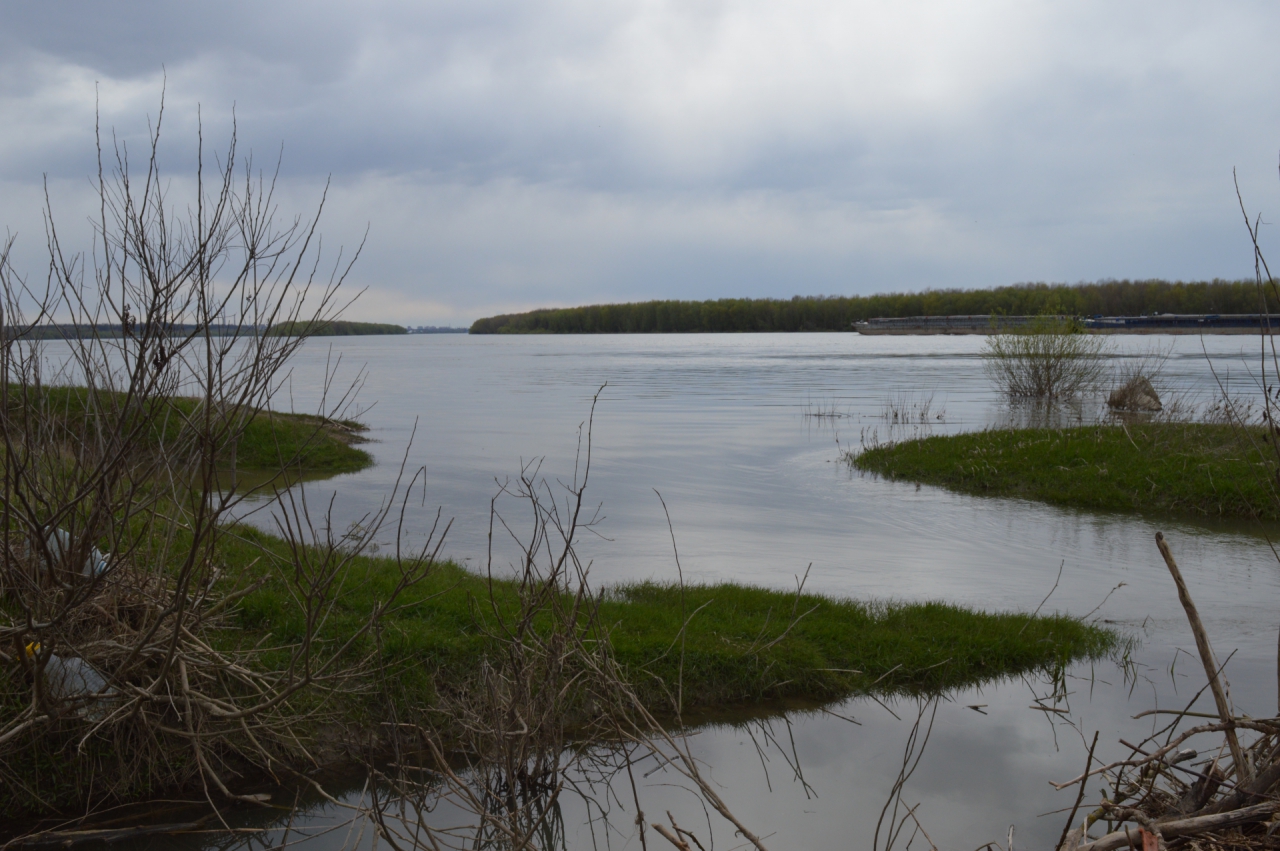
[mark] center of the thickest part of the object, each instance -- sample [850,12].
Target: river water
[723,427]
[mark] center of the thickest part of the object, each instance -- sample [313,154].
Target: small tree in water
[1052,357]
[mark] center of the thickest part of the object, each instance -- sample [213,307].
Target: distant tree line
[838,313]
[339,328]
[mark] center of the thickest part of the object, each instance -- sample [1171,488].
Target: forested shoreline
[114,331]
[838,313]
[338,328]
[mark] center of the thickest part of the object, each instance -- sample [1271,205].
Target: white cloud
[514,154]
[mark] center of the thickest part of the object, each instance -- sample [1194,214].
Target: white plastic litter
[70,676]
[59,542]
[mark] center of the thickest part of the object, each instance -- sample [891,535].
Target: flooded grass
[271,441]
[741,644]
[1188,469]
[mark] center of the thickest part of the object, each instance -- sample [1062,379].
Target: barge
[1160,323]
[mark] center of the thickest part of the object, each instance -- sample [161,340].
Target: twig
[1056,580]
[1242,769]
[1066,828]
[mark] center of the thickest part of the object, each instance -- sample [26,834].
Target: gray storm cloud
[508,155]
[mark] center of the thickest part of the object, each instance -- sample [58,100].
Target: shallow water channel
[724,427]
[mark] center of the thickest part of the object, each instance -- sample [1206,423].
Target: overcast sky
[509,155]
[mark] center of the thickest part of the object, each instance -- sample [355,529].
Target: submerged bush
[1050,358]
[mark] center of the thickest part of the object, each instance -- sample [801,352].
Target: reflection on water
[1058,413]
[717,423]
[982,760]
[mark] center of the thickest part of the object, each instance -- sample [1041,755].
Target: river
[723,427]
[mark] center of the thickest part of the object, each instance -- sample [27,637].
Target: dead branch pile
[1165,794]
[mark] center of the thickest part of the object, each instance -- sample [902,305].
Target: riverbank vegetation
[125,458]
[1048,359]
[838,313]
[269,441]
[744,644]
[1147,456]
[336,328]
[1163,468]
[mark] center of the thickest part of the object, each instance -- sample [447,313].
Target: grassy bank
[318,446]
[735,651]
[1154,468]
[315,445]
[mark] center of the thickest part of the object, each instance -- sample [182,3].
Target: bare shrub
[119,479]
[1050,358]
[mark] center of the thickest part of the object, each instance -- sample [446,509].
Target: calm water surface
[756,490]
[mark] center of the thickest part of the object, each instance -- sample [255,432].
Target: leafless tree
[120,479]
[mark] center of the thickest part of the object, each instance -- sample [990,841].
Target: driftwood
[1175,828]
[71,838]
[1159,793]
[1206,655]
[676,835]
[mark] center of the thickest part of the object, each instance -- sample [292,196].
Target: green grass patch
[735,651]
[1152,468]
[318,446]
